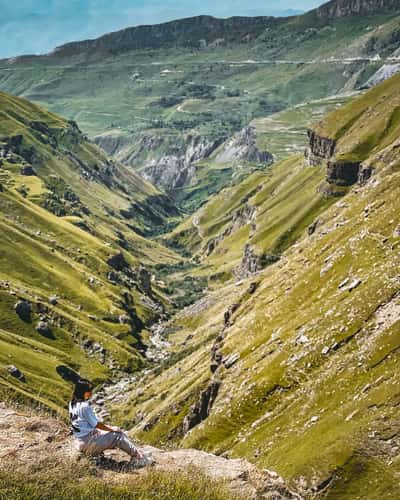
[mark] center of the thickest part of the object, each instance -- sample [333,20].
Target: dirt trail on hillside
[29,438]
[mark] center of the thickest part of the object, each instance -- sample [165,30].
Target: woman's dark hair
[81,387]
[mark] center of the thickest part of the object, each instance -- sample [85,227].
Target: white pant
[96,442]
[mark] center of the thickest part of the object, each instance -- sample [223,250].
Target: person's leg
[99,442]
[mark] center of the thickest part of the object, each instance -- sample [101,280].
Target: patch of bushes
[61,200]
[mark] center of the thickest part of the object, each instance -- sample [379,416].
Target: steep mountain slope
[73,290]
[297,368]
[249,224]
[167,96]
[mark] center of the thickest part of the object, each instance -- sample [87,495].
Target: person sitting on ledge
[93,437]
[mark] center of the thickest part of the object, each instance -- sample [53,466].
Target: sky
[38,26]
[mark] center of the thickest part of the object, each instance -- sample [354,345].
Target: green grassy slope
[314,391]
[59,228]
[284,201]
[366,126]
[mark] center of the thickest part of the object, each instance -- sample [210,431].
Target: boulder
[312,227]
[252,288]
[118,262]
[68,374]
[24,310]
[53,300]
[15,372]
[44,329]
[145,280]
[27,170]
[231,360]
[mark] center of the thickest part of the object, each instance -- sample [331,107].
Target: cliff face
[343,8]
[178,170]
[243,147]
[169,172]
[320,148]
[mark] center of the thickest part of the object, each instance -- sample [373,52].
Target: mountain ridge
[192,32]
[343,8]
[202,30]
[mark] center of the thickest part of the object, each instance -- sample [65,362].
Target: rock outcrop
[242,216]
[343,173]
[201,409]
[118,262]
[319,149]
[322,150]
[41,436]
[251,264]
[343,8]
[383,73]
[177,170]
[27,170]
[169,172]
[145,281]
[198,148]
[24,310]
[243,146]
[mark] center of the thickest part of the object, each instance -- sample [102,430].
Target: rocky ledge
[321,151]
[319,148]
[30,439]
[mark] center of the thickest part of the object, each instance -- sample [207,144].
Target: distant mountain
[196,32]
[343,8]
[161,98]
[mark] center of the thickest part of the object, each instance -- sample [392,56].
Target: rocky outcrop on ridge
[251,264]
[321,150]
[175,171]
[243,147]
[383,73]
[242,216]
[344,8]
[168,165]
[169,172]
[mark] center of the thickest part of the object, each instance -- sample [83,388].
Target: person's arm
[108,428]
[94,421]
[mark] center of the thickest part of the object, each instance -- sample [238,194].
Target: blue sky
[37,26]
